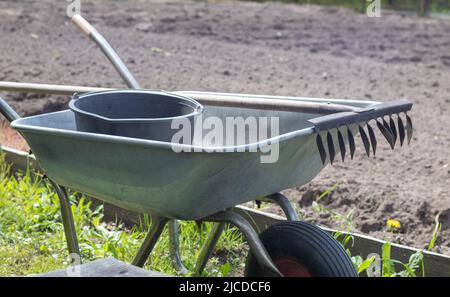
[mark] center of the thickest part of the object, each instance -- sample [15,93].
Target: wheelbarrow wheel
[300,249]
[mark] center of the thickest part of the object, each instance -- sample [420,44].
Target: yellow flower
[393,224]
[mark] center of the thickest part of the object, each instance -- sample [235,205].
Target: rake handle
[83,25]
[214,99]
[107,49]
[272,104]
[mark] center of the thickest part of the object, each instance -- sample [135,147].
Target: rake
[363,117]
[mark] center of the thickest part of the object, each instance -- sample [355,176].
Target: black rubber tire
[307,245]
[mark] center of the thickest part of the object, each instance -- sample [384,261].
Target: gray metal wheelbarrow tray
[148,176]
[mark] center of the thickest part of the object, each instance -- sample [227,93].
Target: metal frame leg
[285,205]
[217,229]
[150,240]
[67,220]
[209,245]
[256,246]
[175,247]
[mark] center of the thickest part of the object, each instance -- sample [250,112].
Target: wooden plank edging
[19,160]
[363,245]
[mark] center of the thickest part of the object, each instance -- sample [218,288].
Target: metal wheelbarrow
[148,176]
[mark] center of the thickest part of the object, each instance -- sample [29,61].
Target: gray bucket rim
[195,105]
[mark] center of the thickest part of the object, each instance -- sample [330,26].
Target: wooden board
[19,160]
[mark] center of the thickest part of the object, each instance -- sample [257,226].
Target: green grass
[32,237]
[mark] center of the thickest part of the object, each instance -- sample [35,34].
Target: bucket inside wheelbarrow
[133,113]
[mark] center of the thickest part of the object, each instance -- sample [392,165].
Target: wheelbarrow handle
[7,111]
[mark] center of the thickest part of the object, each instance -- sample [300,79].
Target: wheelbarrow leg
[67,219]
[175,247]
[150,240]
[217,229]
[209,245]
[256,246]
[285,205]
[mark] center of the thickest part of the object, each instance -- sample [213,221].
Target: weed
[436,231]
[388,265]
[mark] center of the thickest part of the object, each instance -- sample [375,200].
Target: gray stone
[108,267]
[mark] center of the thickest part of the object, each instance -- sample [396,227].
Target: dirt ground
[268,48]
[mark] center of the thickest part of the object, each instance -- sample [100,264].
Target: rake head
[383,115]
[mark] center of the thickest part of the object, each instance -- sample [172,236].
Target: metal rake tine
[351,142]
[401,129]
[365,140]
[373,139]
[341,144]
[330,144]
[388,128]
[409,128]
[323,154]
[393,129]
[386,133]
[386,125]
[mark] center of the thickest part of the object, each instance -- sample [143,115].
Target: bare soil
[268,48]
